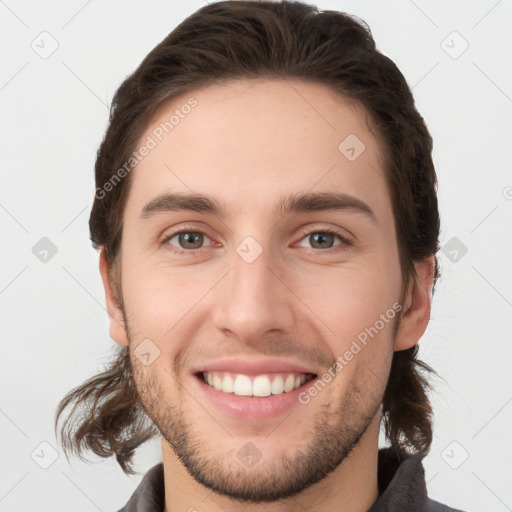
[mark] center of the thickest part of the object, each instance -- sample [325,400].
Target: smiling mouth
[263,385]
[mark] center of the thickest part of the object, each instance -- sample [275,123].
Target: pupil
[321,240]
[191,240]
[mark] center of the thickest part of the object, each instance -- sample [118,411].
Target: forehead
[263,139]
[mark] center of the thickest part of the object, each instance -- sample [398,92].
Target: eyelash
[343,246]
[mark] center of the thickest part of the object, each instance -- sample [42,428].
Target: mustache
[279,347]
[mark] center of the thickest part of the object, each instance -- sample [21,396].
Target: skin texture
[247,144]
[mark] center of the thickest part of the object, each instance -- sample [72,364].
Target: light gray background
[53,115]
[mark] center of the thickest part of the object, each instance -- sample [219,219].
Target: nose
[254,300]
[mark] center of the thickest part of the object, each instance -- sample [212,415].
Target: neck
[352,486]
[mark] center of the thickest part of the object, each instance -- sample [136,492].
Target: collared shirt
[401,481]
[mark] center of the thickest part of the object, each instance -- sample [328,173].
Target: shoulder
[149,495]
[435,506]
[402,485]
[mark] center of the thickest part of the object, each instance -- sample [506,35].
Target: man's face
[257,292]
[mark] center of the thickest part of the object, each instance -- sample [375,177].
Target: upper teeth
[258,385]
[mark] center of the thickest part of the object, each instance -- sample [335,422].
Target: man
[267,221]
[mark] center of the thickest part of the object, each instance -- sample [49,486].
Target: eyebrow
[296,203]
[325,201]
[179,201]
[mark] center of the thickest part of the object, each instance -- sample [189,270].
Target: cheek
[158,299]
[358,305]
[350,299]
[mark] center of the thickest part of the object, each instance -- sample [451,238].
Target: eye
[187,240]
[324,239]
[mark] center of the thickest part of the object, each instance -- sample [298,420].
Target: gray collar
[401,481]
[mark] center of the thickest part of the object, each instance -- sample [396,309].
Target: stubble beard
[337,430]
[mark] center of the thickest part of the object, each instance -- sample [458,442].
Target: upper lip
[252,366]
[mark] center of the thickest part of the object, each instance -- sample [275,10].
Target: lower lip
[252,408]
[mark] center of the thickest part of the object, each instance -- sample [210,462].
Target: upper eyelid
[344,234]
[345,241]
[169,233]
[304,232]
[313,231]
[167,237]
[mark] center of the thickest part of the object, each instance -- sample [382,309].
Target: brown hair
[229,40]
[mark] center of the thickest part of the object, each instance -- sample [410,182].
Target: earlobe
[416,308]
[117,328]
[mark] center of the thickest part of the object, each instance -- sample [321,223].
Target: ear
[117,328]
[416,307]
